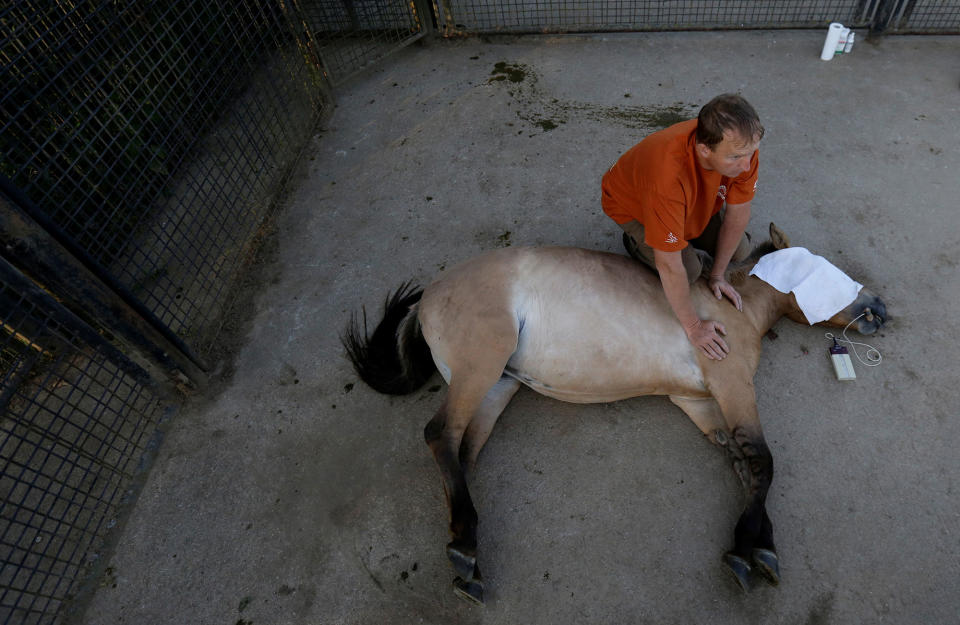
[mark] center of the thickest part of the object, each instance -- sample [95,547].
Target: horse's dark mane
[761,250]
[738,274]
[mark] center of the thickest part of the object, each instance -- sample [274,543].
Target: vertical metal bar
[906,8]
[886,10]
[302,33]
[443,17]
[35,252]
[868,9]
[426,16]
[352,14]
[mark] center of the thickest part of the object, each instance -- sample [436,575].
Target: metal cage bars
[77,417]
[154,134]
[459,17]
[146,142]
[352,34]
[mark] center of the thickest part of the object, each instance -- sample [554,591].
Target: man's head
[728,133]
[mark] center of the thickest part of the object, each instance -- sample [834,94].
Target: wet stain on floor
[506,71]
[546,113]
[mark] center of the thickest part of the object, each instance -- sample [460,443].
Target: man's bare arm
[704,335]
[731,231]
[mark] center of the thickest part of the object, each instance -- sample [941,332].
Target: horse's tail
[396,359]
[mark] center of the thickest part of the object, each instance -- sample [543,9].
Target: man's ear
[702,150]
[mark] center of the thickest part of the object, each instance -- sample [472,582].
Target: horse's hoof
[768,565]
[471,591]
[464,560]
[740,569]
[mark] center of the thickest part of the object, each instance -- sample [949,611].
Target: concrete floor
[295,494]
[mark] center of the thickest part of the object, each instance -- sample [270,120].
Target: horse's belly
[597,366]
[582,395]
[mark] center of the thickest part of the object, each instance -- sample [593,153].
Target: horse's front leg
[753,464]
[753,536]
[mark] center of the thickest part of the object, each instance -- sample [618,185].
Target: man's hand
[721,287]
[705,336]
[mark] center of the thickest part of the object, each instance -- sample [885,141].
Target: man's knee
[633,242]
[693,262]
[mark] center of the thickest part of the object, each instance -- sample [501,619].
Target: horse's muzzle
[874,313]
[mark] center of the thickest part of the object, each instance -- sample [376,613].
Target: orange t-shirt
[659,183]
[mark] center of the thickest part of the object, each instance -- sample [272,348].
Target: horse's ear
[778,238]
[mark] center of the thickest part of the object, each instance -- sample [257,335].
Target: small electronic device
[842,364]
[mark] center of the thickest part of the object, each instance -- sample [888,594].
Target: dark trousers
[694,260]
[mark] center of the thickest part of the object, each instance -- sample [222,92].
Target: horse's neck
[763,303]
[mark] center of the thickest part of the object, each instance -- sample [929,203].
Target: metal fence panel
[926,16]
[637,15]
[155,134]
[350,34]
[76,421]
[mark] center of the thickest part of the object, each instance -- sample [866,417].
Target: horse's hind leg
[485,418]
[444,434]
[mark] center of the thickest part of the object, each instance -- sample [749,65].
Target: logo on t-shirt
[722,192]
[671,238]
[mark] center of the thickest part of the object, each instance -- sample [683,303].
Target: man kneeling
[683,192]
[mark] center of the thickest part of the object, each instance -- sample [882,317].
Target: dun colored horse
[582,326]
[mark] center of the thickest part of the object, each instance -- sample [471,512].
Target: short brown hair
[728,111]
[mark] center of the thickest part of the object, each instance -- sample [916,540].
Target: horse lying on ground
[582,326]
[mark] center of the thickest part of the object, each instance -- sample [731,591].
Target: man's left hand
[721,287]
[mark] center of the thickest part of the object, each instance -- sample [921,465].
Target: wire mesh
[634,15]
[74,427]
[155,134]
[928,16]
[351,34]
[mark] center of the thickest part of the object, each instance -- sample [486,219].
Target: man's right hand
[705,336]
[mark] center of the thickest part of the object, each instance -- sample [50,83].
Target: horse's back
[576,324]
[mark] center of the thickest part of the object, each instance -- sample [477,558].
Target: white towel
[821,289]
